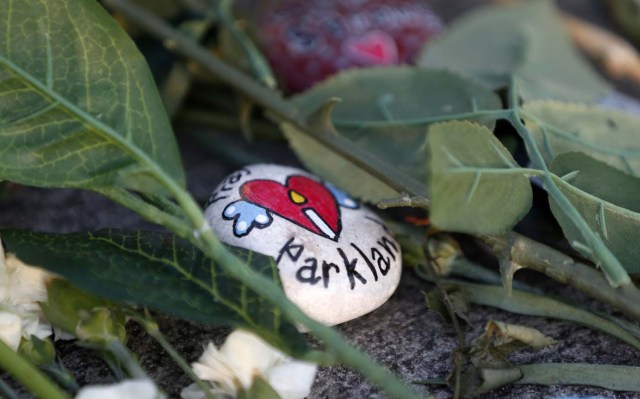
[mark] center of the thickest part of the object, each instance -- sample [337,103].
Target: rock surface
[336,258]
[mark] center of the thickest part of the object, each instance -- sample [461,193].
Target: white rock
[336,259]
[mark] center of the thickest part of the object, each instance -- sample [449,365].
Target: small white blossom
[10,329]
[245,356]
[129,389]
[21,288]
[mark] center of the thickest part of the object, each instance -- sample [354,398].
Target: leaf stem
[146,210]
[259,65]
[28,375]
[566,270]
[151,327]
[124,357]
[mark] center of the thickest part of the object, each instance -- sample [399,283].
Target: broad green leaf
[610,136]
[607,199]
[160,272]
[475,185]
[525,40]
[386,110]
[336,168]
[78,105]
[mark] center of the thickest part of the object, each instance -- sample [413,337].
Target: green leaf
[607,199]
[475,184]
[531,304]
[386,110]
[160,272]
[336,168]
[259,389]
[607,135]
[70,309]
[617,378]
[525,39]
[78,105]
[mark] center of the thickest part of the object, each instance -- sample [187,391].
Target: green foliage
[259,389]
[525,40]
[92,319]
[607,199]
[475,184]
[386,111]
[609,136]
[336,168]
[160,272]
[617,378]
[532,304]
[78,106]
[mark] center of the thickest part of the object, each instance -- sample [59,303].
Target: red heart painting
[374,48]
[301,200]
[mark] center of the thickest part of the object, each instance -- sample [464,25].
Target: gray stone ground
[411,341]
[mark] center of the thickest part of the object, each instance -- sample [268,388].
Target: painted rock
[336,258]
[307,41]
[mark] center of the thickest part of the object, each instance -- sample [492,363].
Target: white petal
[130,389]
[4,277]
[10,329]
[248,355]
[32,325]
[27,282]
[292,380]
[213,367]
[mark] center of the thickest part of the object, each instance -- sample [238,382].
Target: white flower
[245,356]
[21,288]
[10,329]
[129,389]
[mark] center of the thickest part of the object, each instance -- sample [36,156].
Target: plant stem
[122,355]
[564,269]
[256,61]
[146,210]
[151,327]
[28,375]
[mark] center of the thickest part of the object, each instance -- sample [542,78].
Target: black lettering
[367,261]
[234,178]
[326,268]
[375,253]
[387,244]
[215,197]
[350,266]
[311,267]
[292,251]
